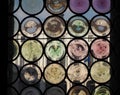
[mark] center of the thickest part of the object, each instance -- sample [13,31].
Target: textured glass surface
[32,6]
[79,90]
[31,27]
[100,26]
[32,50]
[101,6]
[78,26]
[100,48]
[100,71]
[30,74]
[54,73]
[79,6]
[54,91]
[15,28]
[59,47]
[31,91]
[56,6]
[12,73]
[102,90]
[77,72]
[54,27]
[55,50]
[12,44]
[77,49]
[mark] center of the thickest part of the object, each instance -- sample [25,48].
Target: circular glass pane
[100,26]
[32,6]
[78,26]
[54,91]
[100,71]
[13,49]
[12,73]
[77,72]
[54,27]
[100,48]
[79,6]
[54,73]
[31,27]
[12,91]
[55,50]
[32,50]
[13,5]
[78,49]
[16,4]
[31,91]
[78,90]
[13,26]
[101,90]
[56,6]
[30,74]
[101,6]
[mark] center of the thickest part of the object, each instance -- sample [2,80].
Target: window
[59,46]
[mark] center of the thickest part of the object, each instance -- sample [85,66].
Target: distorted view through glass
[59,47]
